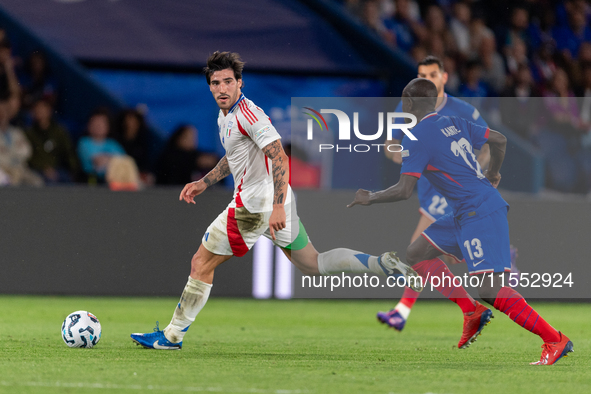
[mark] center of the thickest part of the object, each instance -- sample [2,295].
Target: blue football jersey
[431,202]
[450,106]
[444,154]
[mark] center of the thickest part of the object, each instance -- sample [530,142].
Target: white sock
[403,310]
[193,299]
[346,260]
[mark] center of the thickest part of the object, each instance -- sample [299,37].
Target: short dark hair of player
[429,60]
[221,61]
[422,93]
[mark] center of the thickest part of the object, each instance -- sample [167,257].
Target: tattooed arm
[193,189]
[220,171]
[274,151]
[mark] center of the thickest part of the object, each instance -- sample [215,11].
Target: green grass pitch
[285,347]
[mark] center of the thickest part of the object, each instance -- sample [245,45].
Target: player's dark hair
[218,61]
[429,60]
[423,94]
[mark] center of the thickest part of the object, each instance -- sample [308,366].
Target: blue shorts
[482,242]
[433,204]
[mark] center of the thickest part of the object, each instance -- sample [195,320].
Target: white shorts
[236,230]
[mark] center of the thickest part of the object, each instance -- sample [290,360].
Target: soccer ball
[81,329]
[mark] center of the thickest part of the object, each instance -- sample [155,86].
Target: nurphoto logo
[344,129]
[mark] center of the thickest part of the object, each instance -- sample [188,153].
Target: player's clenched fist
[494,179]
[192,190]
[361,198]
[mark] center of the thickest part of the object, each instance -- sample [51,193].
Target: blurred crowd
[114,149]
[514,50]
[533,57]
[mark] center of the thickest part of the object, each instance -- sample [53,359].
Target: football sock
[193,299]
[346,260]
[512,304]
[409,297]
[402,309]
[436,271]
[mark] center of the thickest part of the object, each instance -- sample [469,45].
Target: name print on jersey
[449,131]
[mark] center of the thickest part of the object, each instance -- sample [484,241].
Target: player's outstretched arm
[280,166]
[400,191]
[193,189]
[498,145]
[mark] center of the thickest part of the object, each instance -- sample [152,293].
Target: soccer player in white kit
[263,204]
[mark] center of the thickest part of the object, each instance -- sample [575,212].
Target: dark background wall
[92,241]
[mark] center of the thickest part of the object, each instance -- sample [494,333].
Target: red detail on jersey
[241,128]
[450,178]
[487,132]
[445,174]
[239,203]
[267,164]
[263,112]
[238,199]
[250,112]
[237,244]
[415,174]
[247,113]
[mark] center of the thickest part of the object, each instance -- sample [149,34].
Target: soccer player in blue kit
[432,204]
[477,229]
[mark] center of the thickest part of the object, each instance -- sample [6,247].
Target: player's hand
[277,221]
[494,179]
[362,197]
[192,190]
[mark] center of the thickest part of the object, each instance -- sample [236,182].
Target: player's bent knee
[308,270]
[308,265]
[413,254]
[488,294]
[420,250]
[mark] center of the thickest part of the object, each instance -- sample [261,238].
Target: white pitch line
[110,386]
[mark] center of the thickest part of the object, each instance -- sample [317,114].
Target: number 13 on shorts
[485,243]
[477,245]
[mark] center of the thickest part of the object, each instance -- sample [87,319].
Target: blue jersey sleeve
[478,119]
[462,109]
[478,134]
[415,158]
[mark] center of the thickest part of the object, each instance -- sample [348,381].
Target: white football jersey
[244,132]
